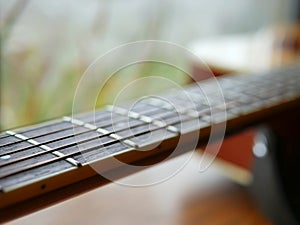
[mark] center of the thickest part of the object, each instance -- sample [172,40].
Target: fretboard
[42,158]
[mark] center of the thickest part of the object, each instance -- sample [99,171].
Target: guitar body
[275,182]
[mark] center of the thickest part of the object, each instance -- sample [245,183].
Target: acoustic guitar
[53,161]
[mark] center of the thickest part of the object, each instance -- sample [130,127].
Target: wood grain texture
[249,113]
[188,198]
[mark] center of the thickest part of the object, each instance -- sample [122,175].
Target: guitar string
[44,148]
[68,145]
[69,155]
[85,150]
[148,112]
[68,128]
[35,128]
[298,90]
[123,114]
[167,114]
[132,115]
[50,124]
[143,117]
[35,136]
[66,136]
[223,79]
[75,153]
[92,148]
[84,140]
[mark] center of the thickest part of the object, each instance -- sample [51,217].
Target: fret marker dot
[5,157]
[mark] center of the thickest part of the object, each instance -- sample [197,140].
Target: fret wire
[159,128]
[194,114]
[47,133]
[5,137]
[109,133]
[123,112]
[43,147]
[86,150]
[45,152]
[64,137]
[46,142]
[70,144]
[69,155]
[55,159]
[90,120]
[59,159]
[187,111]
[53,132]
[144,118]
[54,149]
[40,135]
[100,130]
[36,136]
[155,122]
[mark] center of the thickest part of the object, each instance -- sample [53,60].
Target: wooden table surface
[190,197]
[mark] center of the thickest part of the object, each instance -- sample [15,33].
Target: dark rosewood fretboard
[44,158]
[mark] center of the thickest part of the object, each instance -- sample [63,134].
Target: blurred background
[47,45]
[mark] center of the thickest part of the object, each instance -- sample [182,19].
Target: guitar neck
[39,163]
